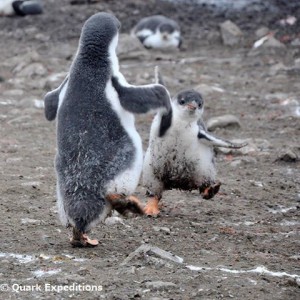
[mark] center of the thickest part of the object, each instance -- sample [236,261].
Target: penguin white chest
[127,181]
[182,154]
[158,40]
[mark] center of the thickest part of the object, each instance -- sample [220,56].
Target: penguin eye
[181,101]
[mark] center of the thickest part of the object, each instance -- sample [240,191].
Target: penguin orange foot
[152,208]
[80,239]
[208,191]
[124,205]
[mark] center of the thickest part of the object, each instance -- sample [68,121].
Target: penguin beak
[165,36]
[191,106]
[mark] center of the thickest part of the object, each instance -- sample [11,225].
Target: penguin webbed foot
[125,205]
[209,189]
[152,207]
[81,239]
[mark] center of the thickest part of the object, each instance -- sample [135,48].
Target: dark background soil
[253,222]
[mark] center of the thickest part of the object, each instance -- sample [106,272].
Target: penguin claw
[209,191]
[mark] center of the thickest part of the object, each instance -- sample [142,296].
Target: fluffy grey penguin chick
[20,7]
[181,156]
[99,152]
[158,32]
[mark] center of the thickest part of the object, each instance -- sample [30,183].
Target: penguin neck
[113,58]
[93,55]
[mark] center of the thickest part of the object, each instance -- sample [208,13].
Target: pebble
[30,221]
[245,160]
[223,122]
[110,221]
[160,285]
[231,33]
[205,89]
[130,47]
[261,32]
[34,69]
[38,103]
[147,249]
[163,229]
[288,156]
[16,92]
[21,62]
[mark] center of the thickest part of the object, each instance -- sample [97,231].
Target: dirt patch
[243,244]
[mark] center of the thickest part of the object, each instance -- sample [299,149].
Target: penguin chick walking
[158,32]
[181,155]
[99,152]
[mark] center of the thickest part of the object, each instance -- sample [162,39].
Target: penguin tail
[84,211]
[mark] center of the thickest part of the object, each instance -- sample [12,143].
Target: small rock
[13,93]
[288,156]
[277,68]
[296,42]
[31,183]
[163,229]
[34,69]
[83,271]
[152,250]
[160,285]
[130,47]
[262,31]
[231,33]
[30,221]
[110,221]
[222,122]
[272,42]
[38,103]
[127,271]
[21,62]
[297,63]
[42,37]
[205,89]
[12,160]
[236,163]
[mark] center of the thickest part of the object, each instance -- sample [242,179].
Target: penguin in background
[20,7]
[158,32]
[180,152]
[99,155]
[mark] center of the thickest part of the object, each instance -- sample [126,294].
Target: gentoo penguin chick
[158,32]
[21,8]
[99,155]
[181,156]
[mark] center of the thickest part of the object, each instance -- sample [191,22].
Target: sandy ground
[243,244]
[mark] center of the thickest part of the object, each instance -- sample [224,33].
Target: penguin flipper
[51,101]
[212,140]
[166,118]
[142,99]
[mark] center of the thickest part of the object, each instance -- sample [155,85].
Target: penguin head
[99,32]
[188,104]
[166,30]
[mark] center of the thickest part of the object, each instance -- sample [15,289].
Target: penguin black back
[90,135]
